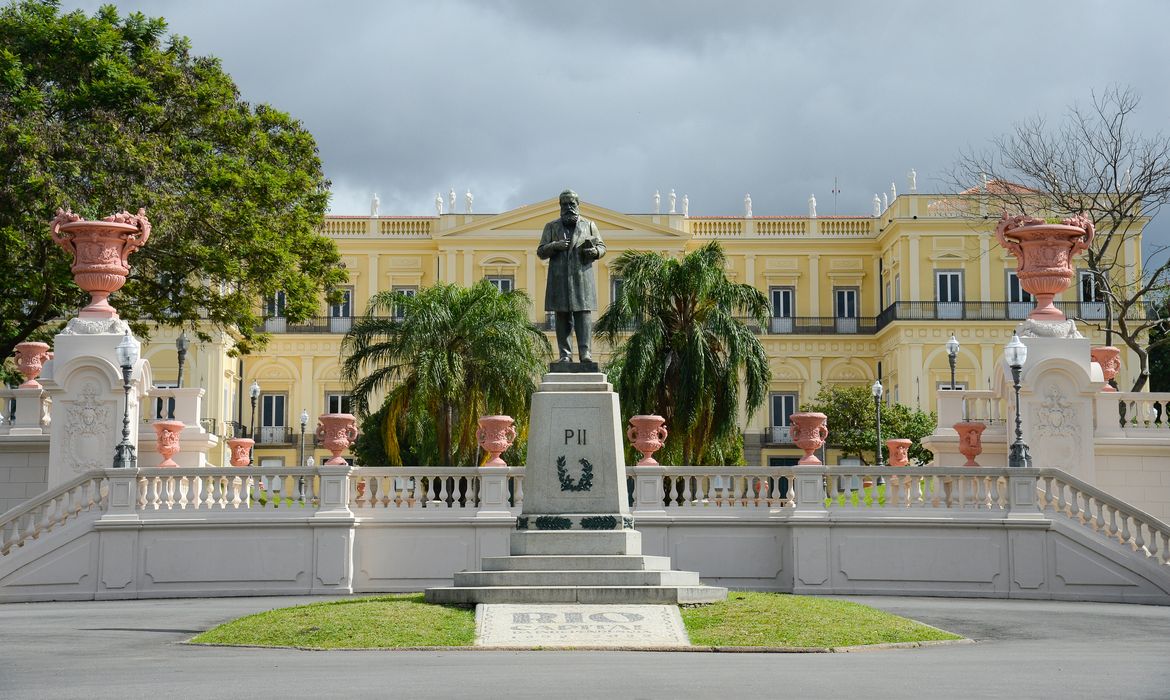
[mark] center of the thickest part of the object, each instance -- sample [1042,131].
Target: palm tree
[443,358]
[688,350]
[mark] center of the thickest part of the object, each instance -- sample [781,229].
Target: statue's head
[570,207]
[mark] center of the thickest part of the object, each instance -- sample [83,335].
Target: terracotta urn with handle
[809,431]
[1044,254]
[337,432]
[648,434]
[101,251]
[30,360]
[1109,358]
[167,440]
[495,435]
[970,440]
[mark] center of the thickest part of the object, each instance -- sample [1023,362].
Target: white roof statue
[657,202]
[438,204]
[468,200]
[375,206]
[812,206]
[686,205]
[913,178]
[877,205]
[673,200]
[747,205]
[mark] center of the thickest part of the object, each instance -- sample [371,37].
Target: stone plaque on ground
[569,625]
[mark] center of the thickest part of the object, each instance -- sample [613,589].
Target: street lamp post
[952,356]
[124,454]
[876,390]
[1015,354]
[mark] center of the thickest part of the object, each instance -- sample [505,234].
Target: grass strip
[749,619]
[361,623]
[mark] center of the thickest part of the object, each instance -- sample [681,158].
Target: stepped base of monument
[547,577]
[630,595]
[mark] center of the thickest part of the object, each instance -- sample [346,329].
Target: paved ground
[1026,650]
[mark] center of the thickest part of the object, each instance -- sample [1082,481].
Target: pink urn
[100,253]
[1109,358]
[336,431]
[495,435]
[809,431]
[970,440]
[30,359]
[241,449]
[1044,255]
[899,451]
[648,435]
[167,440]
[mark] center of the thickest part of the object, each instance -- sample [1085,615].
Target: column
[915,281]
[814,284]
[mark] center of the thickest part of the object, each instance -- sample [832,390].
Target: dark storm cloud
[516,100]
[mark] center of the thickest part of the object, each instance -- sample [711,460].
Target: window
[274,305]
[783,305]
[341,313]
[845,309]
[783,406]
[948,292]
[273,419]
[504,284]
[337,402]
[1092,296]
[399,312]
[1019,301]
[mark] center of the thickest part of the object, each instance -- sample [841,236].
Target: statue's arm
[598,244]
[544,251]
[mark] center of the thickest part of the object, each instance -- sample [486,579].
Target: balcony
[779,435]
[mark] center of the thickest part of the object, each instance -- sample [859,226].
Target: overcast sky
[518,100]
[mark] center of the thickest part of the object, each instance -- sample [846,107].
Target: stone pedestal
[84,382]
[575,541]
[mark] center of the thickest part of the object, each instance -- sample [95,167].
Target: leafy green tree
[852,423]
[688,354]
[103,113]
[454,354]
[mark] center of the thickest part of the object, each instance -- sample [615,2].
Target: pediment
[533,217]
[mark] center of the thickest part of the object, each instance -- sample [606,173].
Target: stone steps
[632,595]
[476,579]
[552,562]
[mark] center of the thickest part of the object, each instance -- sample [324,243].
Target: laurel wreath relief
[585,483]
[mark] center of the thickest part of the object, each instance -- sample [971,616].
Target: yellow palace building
[854,299]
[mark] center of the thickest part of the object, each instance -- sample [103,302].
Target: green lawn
[778,620]
[395,621]
[381,622]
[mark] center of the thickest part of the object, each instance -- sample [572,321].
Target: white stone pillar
[84,382]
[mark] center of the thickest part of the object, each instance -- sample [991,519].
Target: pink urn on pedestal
[970,440]
[899,451]
[1044,255]
[30,359]
[241,449]
[809,431]
[336,431]
[100,253]
[648,435]
[167,440]
[1109,358]
[495,436]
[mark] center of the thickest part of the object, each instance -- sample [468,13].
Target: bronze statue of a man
[571,244]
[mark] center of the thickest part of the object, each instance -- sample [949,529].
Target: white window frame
[948,282]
